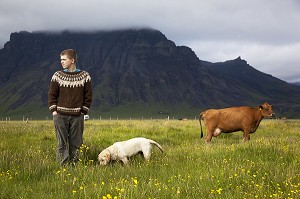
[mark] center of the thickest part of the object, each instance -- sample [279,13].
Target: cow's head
[266,110]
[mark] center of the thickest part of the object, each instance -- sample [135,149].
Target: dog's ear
[107,156]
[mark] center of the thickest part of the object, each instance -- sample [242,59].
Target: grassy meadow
[266,167]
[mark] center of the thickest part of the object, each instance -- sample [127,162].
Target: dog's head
[104,157]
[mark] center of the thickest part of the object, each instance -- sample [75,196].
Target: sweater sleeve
[88,96]
[53,94]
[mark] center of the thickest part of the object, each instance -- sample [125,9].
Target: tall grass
[266,167]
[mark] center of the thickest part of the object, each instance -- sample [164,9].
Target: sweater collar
[77,70]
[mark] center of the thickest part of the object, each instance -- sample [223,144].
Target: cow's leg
[208,138]
[246,136]
[209,134]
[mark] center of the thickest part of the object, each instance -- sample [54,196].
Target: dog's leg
[147,152]
[147,156]
[125,161]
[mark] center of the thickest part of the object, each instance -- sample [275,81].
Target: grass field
[266,167]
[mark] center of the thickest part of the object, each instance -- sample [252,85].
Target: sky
[265,33]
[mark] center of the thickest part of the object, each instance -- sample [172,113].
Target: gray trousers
[69,130]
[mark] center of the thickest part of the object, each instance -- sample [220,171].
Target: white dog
[124,150]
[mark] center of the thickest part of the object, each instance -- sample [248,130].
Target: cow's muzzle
[272,114]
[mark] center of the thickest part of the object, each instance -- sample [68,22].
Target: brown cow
[233,119]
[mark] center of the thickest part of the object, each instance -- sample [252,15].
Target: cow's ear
[261,107]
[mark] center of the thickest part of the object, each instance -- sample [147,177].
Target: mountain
[135,72]
[296,83]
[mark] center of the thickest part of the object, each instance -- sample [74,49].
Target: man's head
[70,53]
[68,59]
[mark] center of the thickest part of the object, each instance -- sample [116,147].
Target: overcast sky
[265,33]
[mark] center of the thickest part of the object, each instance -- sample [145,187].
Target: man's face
[66,63]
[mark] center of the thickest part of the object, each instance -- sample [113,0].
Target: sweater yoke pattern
[71,80]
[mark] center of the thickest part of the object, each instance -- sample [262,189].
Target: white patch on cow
[217,132]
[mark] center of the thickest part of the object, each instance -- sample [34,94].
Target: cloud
[264,33]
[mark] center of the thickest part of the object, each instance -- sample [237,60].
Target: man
[69,99]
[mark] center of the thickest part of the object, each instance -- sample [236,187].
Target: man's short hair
[70,53]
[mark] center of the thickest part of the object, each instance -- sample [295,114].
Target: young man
[69,99]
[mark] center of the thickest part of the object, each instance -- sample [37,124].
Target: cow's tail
[156,144]
[201,130]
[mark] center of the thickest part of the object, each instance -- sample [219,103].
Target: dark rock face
[129,66]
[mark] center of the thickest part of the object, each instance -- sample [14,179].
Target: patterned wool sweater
[70,93]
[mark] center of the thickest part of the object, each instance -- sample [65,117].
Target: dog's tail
[156,144]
